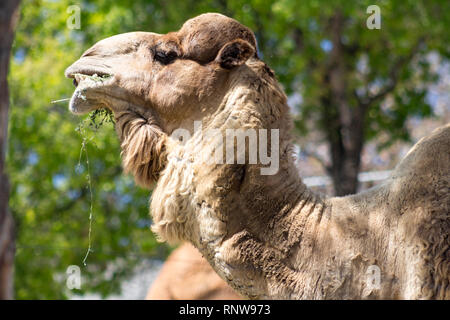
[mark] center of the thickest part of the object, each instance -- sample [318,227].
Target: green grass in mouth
[95,77]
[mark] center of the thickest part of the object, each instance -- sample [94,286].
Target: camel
[260,228]
[187,276]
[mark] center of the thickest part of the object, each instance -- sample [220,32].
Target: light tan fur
[268,236]
[187,276]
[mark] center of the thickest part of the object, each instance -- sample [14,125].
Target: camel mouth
[99,76]
[90,85]
[89,79]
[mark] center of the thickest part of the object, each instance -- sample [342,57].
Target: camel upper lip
[86,67]
[87,72]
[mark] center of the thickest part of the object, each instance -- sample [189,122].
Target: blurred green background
[387,73]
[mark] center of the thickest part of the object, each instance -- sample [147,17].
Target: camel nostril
[75,83]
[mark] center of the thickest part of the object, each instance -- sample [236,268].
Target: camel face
[135,67]
[176,75]
[113,69]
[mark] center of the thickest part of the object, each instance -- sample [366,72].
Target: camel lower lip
[77,102]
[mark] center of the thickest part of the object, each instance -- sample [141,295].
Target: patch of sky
[326,45]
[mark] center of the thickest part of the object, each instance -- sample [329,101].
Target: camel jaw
[91,88]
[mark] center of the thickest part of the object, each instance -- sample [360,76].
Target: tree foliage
[346,75]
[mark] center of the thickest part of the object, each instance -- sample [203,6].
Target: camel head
[169,80]
[171,74]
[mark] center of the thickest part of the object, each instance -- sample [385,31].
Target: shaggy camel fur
[268,236]
[187,276]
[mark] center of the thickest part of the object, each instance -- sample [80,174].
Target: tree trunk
[343,122]
[8,19]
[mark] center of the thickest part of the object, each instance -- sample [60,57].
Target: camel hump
[420,182]
[429,157]
[419,189]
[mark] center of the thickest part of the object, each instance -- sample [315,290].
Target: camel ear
[235,53]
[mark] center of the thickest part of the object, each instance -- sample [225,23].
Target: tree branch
[398,65]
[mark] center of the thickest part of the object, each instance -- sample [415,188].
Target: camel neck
[248,223]
[254,257]
[264,231]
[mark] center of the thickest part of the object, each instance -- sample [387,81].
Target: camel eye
[165,57]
